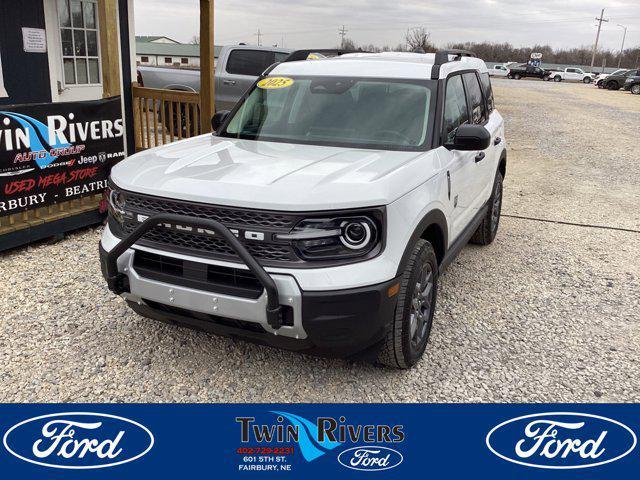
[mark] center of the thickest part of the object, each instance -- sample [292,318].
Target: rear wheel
[517,76]
[557,78]
[486,232]
[407,338]
[613,85]
[636,89]
[586,80]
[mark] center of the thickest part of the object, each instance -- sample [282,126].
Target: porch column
[109,47]
[207,78]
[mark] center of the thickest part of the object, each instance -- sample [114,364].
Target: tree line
[420,39]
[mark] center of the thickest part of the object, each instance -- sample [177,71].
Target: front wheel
[486,232]
[410,328]
[586,80]
[517,76]
[636,89]
[557,78]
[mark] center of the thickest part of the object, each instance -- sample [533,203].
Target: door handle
[479,157]
[497,141]
[229,82]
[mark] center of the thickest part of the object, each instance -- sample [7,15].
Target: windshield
[368,113]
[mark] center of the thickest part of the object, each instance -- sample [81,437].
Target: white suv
[320,214]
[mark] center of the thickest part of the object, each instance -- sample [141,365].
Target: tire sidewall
[411,356]
[635,89]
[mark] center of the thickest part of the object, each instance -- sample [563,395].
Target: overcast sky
[309,24]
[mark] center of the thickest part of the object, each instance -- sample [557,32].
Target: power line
[342,32]
[595,46]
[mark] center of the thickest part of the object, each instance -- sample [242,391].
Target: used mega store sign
[54,152]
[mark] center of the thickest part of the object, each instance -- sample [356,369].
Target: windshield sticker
[275,82]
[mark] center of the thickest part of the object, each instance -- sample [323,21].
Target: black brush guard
[115,279]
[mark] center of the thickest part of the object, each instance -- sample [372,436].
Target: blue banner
[319,441]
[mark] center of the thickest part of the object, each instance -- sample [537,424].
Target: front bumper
[342,323]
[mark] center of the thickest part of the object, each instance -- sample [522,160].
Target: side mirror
[471,137]
[218,119]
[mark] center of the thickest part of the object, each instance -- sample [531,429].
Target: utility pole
[622,48]
[342,32]
[259,35]
[595,46]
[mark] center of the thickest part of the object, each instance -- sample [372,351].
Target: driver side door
[459,165]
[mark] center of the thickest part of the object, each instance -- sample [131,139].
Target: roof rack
[303,54]
[442,57]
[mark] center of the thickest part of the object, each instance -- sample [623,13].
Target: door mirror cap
[218,119]
[471,137]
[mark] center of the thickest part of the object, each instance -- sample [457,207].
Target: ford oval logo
[370,458]
[78,440]
[561,440]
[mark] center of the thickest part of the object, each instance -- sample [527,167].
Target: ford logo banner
[561,440]
[370,458]
[78,440]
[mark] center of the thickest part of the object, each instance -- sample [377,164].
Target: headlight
[628,80]
[117,202]
[334,238]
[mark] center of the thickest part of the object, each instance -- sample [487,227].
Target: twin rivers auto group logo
[78,440]
[561,440]
[272,446]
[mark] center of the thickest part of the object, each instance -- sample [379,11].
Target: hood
[276,176]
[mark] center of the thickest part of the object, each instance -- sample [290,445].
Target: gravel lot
[549,312]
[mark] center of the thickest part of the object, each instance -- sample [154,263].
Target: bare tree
[195,40]
[348,44]
[418,38]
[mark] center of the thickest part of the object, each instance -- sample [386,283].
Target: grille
[207,245]
[226,216]
[212,278]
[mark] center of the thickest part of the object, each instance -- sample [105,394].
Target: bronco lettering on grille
[249,235]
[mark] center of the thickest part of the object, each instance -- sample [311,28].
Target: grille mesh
[207,245]
[227,216]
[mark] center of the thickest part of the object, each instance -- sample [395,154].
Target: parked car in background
[617,81]
[599,80]
[237,69]
[632,83]
[499,71]
[572,74]
[526,71]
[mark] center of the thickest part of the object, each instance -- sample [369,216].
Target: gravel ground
[549,312]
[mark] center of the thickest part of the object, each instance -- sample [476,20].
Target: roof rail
[303,54]
[442,57]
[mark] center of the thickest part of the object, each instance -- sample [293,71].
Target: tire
[409,333]
[557,78]
[509,76]
[517,76]
[636,89]
[613,85]
[487,230]
[586,80]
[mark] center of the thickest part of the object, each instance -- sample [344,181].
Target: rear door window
[249,62]
[488,91]
[456,112]
[478,110]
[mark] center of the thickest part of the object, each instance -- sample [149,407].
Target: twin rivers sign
[54,152]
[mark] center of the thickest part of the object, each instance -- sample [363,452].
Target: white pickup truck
[571,74]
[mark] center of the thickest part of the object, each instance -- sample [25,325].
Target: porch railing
[164,116]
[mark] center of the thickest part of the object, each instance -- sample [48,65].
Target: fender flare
[433,217]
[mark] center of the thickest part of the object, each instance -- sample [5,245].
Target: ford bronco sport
[322,210]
